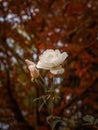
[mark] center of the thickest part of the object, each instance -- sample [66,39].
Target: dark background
[28,27]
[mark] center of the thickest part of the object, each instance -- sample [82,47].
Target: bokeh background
[28,27]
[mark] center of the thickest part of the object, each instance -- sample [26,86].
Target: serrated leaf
[96,121]
[41,106]
[87,124]
[36,99]
[58,117]
[89,118]
[55,123]
[48,118]
[50,106]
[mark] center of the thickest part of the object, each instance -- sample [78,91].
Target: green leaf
[36,99]
[89,118]
[55,123]
[48,118]
[55,120]
[41,106]
[96,121]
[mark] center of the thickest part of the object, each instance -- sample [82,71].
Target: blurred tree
[27,27]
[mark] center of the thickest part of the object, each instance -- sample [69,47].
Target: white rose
[52,60]
[32,68]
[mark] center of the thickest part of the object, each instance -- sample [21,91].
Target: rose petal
[32,68]
[28,62]
[42,66]
[57,52]
[57,70]
[64,56]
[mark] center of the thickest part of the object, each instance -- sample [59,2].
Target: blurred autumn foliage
[27,27]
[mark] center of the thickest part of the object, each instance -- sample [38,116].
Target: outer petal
[64,55]
[59,59]
[42,66]
[48,51]
[57,70]
[28,62]
[57,52]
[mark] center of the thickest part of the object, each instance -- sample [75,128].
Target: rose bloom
[32,68]
[52,60]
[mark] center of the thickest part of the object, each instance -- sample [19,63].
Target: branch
[14,106]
